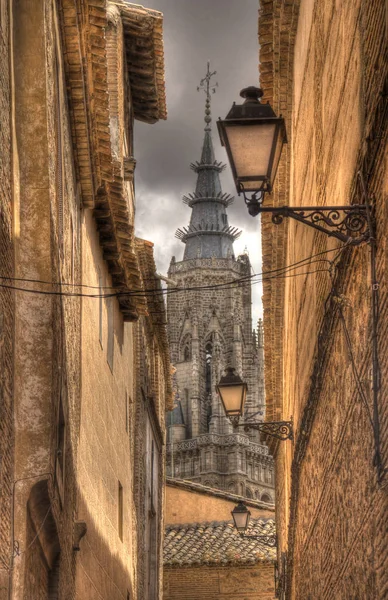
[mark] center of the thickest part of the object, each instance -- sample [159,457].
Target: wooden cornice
[156,310]
[100,173]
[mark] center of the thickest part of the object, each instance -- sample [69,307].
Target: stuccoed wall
[47,328]
[327,78]
[184,505]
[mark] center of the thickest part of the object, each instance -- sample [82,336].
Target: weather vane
[207,86]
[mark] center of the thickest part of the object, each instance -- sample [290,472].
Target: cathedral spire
[209,234]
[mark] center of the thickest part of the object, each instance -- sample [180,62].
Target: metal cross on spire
[207,86]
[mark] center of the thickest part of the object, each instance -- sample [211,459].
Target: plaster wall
[183,506]
[104,457]
[47,327]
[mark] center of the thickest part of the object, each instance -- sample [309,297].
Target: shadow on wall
[100,571]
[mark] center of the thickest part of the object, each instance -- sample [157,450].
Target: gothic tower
[210,328]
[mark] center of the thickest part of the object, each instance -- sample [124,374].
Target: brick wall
[6,306]
[212,583]
[327,74]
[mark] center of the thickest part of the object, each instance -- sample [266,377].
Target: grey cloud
[224,32]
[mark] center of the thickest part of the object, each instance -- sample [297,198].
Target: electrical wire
[165,291]
[154,293]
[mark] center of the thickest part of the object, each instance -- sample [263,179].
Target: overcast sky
[195,31]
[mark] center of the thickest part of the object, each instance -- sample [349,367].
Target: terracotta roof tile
[216,543]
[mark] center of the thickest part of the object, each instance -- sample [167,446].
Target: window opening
[59,141]
[100,301]
[208,375]
[110,348]
[61,450]
[120,511]
[126,412]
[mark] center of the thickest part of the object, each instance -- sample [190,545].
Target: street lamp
[241,517]
[254,137]
[233,392]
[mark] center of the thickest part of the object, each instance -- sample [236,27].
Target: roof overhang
[143,34]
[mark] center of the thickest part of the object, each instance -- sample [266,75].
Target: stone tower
[210,327]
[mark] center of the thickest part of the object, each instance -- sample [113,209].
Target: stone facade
[324,67]
[210,328]
[83,348]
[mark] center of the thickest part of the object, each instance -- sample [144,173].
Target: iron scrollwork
[281,430]
[349,224]
[270,541]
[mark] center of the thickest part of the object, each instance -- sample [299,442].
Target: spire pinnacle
[207,86]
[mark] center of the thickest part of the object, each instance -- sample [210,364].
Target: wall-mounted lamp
[233,392]
[241,516]
[254,137]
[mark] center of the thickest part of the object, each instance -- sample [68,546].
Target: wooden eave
[143,34]
[156,309]
[73,50]
[99,173]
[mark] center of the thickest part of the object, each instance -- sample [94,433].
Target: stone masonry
[210,328]
[324,66]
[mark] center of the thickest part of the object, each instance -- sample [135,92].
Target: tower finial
[206,85]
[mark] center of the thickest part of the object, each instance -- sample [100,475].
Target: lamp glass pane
[251,146]
[241,520]
[278,151]
[232,397]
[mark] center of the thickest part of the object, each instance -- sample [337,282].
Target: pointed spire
[209,233]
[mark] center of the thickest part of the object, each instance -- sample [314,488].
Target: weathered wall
[327,78]
[47,326]
[47,342]
[125,373]
[184,506]
[104,457]
[212,583]
[6,305]
[73,471]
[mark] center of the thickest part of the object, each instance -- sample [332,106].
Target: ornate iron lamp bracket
[349,224]
[281,430]
[267,540]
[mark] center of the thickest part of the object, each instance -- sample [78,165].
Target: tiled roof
[216,543]
[199,488]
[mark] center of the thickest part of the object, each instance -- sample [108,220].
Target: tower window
[208,367]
